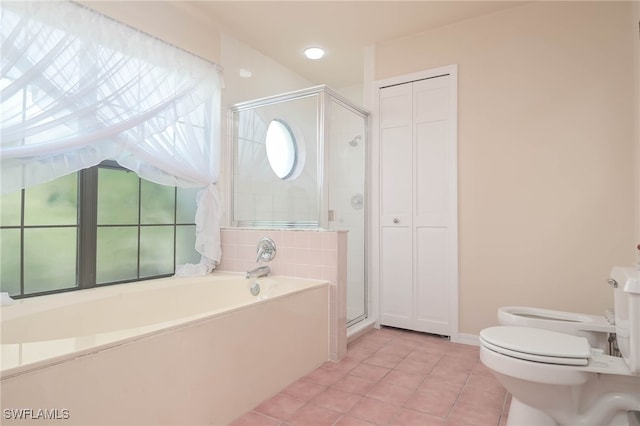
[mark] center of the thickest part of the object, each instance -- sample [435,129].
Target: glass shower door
[346,198]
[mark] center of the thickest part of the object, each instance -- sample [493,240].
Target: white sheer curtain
[77,88]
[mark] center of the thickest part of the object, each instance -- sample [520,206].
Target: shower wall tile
[301,253]
[329,257]
[289,239]
[301,239]
[329,240]
[315,241]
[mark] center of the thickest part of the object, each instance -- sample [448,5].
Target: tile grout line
[456,400]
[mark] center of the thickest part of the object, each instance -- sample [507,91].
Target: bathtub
[183,351]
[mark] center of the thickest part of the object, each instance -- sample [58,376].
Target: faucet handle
[266,250]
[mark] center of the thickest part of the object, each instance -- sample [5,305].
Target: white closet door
[431,203]
[417,224]
[396,233]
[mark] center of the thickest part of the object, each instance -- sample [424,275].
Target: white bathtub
[173,351]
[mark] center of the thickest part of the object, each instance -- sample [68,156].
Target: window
[282,150]
[79,89]
[102,225]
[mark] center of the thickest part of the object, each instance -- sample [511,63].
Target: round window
[282,150]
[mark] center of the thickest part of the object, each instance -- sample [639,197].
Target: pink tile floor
[391,377]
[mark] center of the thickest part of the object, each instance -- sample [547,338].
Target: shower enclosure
[299,162]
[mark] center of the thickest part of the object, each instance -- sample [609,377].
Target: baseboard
[467,339]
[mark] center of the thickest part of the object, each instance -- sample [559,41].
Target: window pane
[282,149]
[117,254]
[52,203]
[186,209]
[10,209]
[156,250]
[185,245]
[10,261]
[157,203]
[117,197]
[49,259]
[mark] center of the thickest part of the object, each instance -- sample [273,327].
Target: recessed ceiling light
[314,52]
[245,73]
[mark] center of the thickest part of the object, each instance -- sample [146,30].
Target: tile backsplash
[316,254]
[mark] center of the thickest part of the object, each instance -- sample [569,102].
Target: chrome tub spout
[260,271]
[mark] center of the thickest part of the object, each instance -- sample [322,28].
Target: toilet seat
[533,344]
[596,328]
[559,320]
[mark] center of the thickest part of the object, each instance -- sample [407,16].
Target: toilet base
[521,414]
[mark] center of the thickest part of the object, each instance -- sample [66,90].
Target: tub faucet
[266,250]
[260,271]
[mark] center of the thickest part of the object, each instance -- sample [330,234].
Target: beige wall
[546,151]
[268,77]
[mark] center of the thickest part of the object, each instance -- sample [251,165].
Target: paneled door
[418,198]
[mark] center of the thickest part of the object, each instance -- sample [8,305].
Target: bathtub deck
[206,368]
[391,377]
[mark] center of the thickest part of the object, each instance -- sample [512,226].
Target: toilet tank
[627,314]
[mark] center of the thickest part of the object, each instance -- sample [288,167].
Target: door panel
[396,149]
[431,99]
[432,174]
[397,276]
[395,106]
[432,284]
[396,177]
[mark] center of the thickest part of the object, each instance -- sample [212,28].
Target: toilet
[596,328]
[559,378]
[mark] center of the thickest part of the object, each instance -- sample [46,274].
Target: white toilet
[559,378]
[595,328]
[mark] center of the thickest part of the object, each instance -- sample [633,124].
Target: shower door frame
[324,97]
[365,115]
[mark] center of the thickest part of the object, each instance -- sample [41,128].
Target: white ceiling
[282,29]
